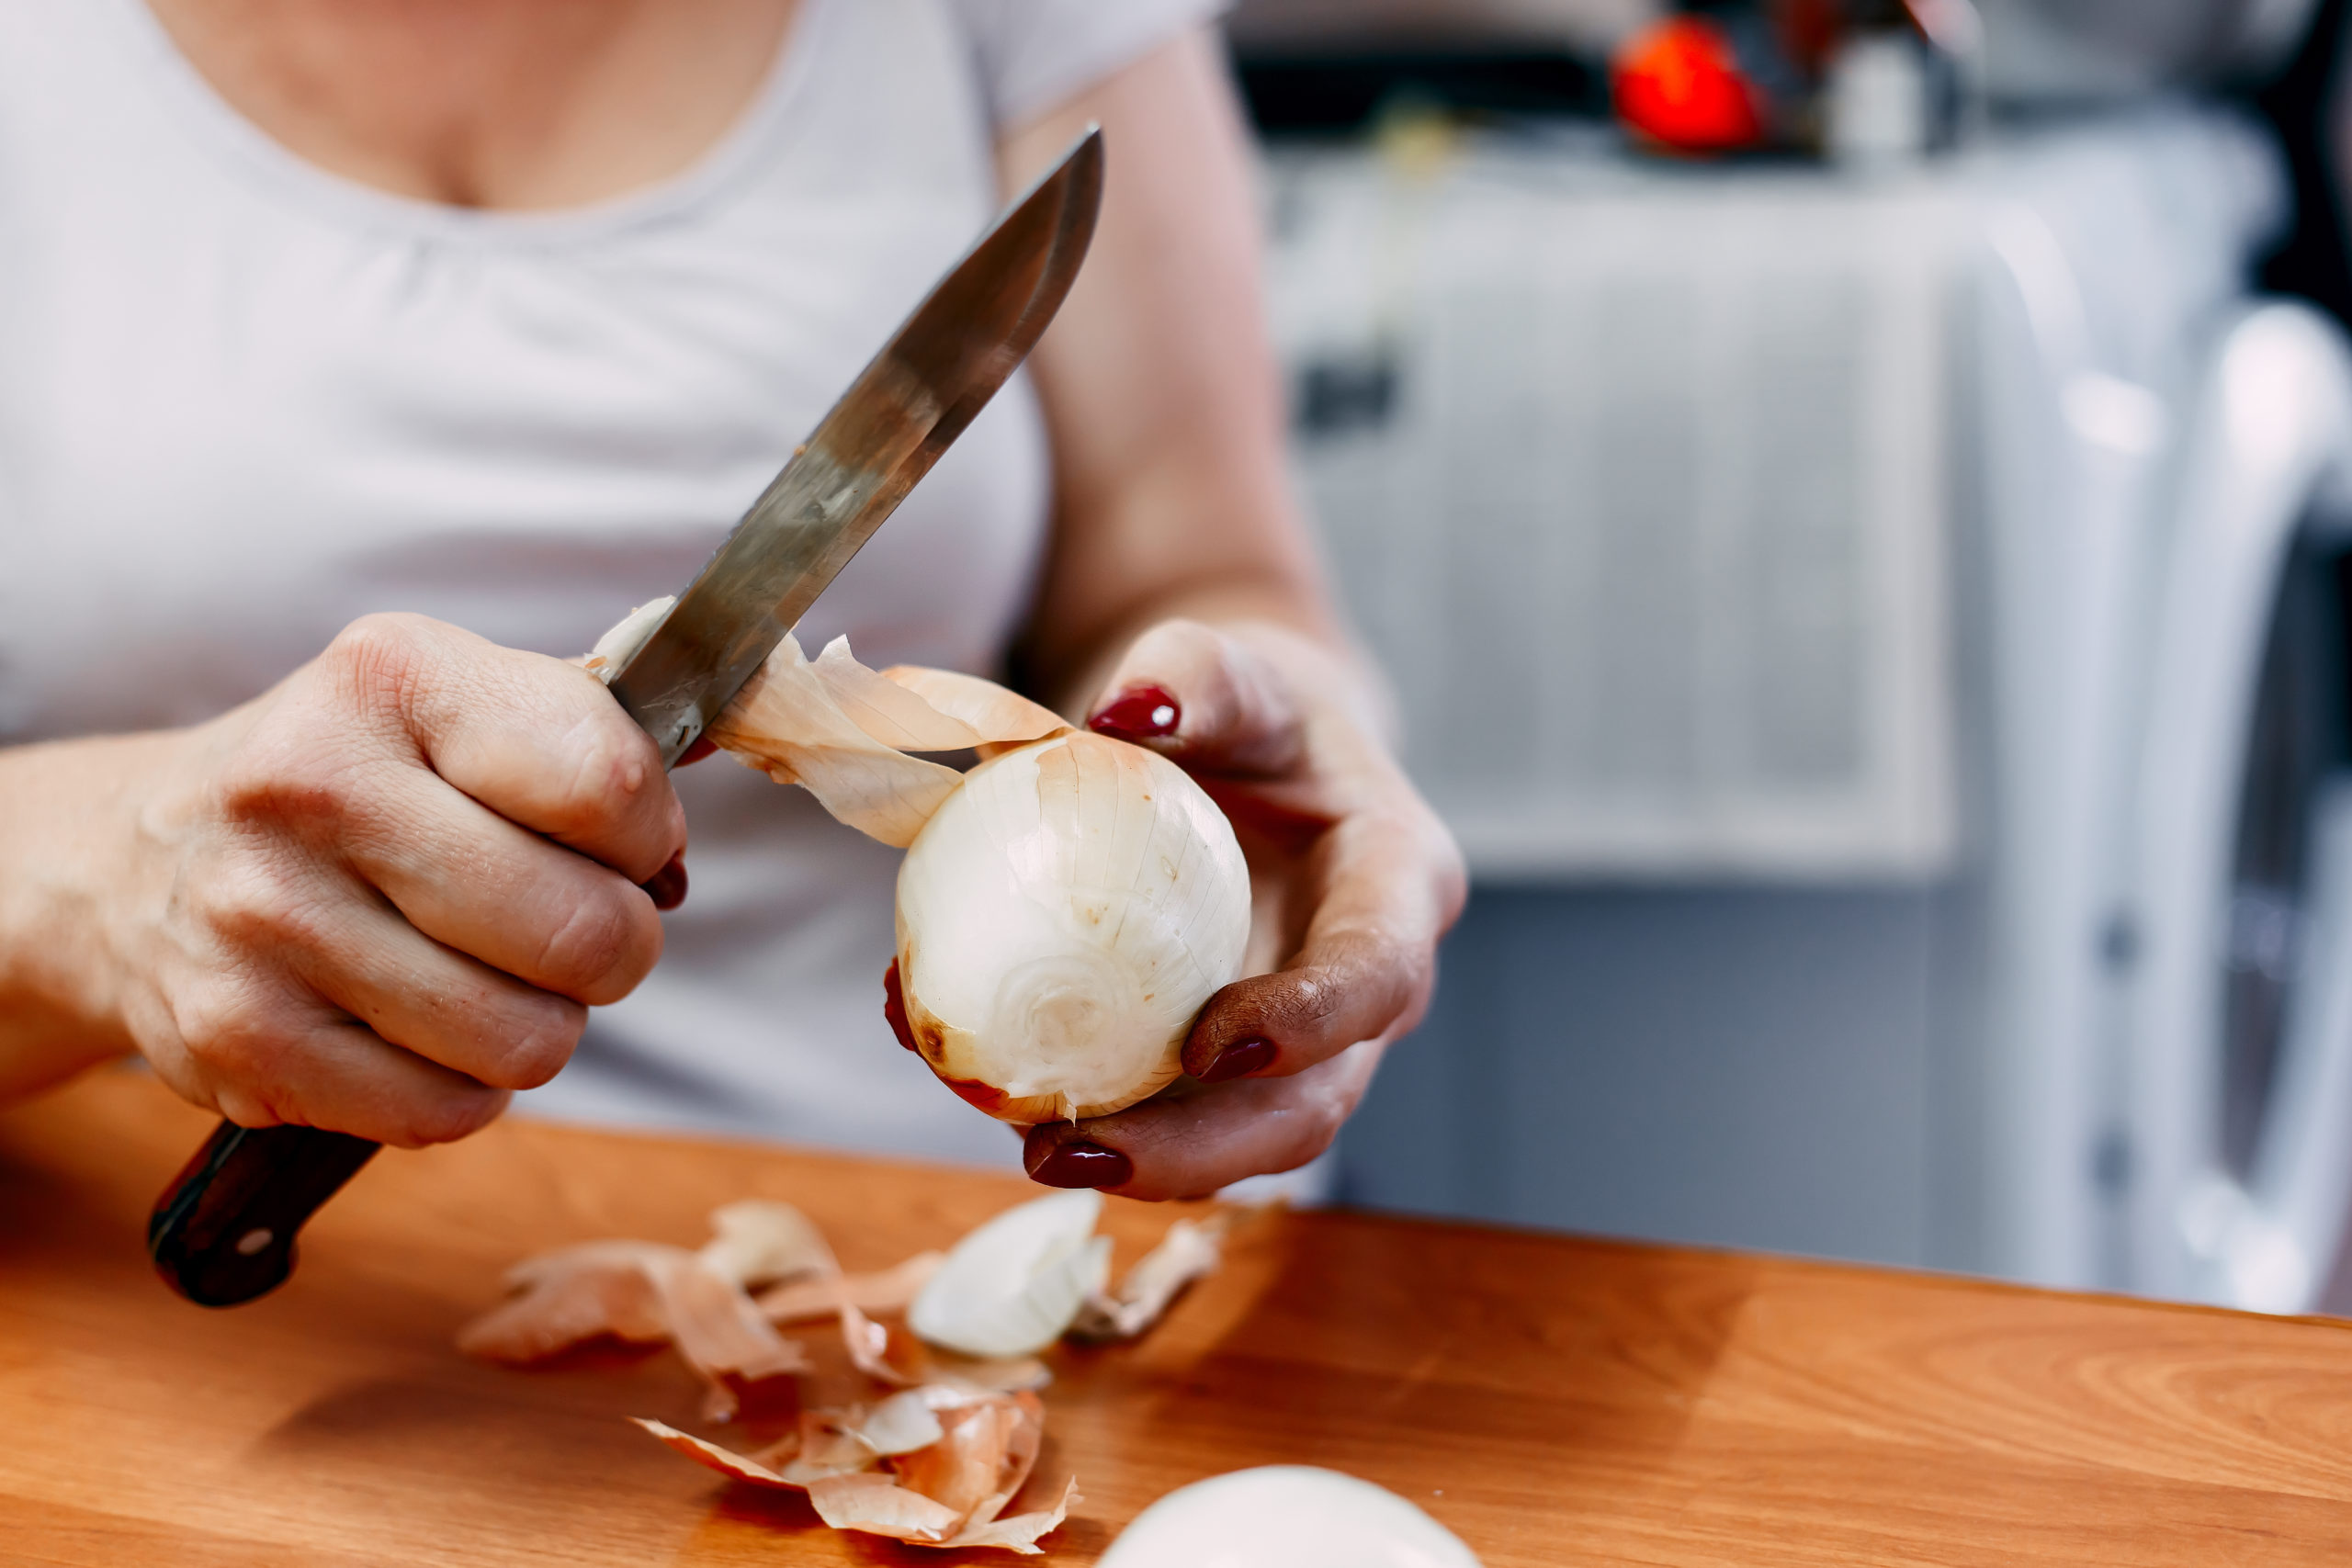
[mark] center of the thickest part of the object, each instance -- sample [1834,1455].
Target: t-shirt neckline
[225,132]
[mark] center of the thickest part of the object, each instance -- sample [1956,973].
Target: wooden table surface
[1553,1401]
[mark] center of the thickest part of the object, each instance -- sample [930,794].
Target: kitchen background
[1852,497]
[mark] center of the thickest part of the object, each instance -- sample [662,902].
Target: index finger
[1205,698]
[1364,971]
[537,740]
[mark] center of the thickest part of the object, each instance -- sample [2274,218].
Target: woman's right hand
[378,898]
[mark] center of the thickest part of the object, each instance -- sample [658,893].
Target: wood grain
[1553,1401]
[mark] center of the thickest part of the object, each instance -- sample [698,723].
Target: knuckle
[1318,1130]
[301,789]
[261,911]
[239,1041]
[1184,639]
[383,657]
[615,779]
[1201,657]
[299,782]
[245,1107]
[444,1117]
[1308,1002]
[601,942]
[1323,1108]
[546,1031]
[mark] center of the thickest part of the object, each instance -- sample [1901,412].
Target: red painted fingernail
[702,746]
[894,1007]
[1141,713]
[1082,1165]
[1239,1060]
[667,887]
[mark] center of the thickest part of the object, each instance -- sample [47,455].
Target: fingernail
[1141,712]
[1237,1060]
[668,886]
[894,1007]
[1082,1165]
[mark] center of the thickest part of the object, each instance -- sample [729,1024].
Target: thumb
[1204,698]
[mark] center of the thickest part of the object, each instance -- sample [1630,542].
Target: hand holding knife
[224,1230]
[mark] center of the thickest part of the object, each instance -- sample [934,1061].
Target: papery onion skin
[1062,920]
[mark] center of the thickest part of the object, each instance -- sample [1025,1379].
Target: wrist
[71,866]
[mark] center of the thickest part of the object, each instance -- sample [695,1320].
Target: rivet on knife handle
[223,1232]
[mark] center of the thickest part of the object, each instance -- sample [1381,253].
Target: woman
[497,312]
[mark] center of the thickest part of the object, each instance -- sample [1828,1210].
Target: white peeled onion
[1011,1286]
[1285,1516]
[1062,919]
[1065,907]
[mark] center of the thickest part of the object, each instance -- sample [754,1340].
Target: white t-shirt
[243,401]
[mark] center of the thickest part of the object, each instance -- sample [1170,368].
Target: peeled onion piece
[1285,1516]
[1065,908]
[1010,1287]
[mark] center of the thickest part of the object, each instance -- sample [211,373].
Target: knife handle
[223,1231]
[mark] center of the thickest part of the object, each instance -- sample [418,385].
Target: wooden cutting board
[1553,1401]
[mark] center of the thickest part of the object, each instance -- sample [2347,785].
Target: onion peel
[1189,1250]
[761,1241]
[886,1289]
[949,1491]
[638,1293]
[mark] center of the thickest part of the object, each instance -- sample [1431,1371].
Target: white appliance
[2072,49]
[1740,527]
[2233,1019]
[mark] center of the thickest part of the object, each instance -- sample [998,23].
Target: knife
[223,1232]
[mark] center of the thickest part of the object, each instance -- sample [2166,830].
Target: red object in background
[1679,82]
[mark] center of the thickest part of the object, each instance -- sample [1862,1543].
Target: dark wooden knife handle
[223,1232]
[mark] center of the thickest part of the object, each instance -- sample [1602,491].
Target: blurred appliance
[1595,26]
[2110,49]
[2235,1004]
[1640,471]
[1953,533]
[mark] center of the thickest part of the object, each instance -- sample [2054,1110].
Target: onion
[1065,909]
[1011,1286]
[1285,1516]
[1062,919]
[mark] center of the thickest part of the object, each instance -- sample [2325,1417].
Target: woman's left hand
[1353,880]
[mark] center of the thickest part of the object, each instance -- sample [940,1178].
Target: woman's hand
[377,899]
[1353,881]
[1173,498]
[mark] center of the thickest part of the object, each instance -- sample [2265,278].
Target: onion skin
[1126,884]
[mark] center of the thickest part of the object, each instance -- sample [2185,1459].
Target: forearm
[68,810]
[1172,491]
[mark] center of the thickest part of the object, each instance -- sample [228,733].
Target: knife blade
[223,1233]
[884,435]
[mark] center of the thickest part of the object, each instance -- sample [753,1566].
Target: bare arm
[1160,388]
[1182,569]
[65,813]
